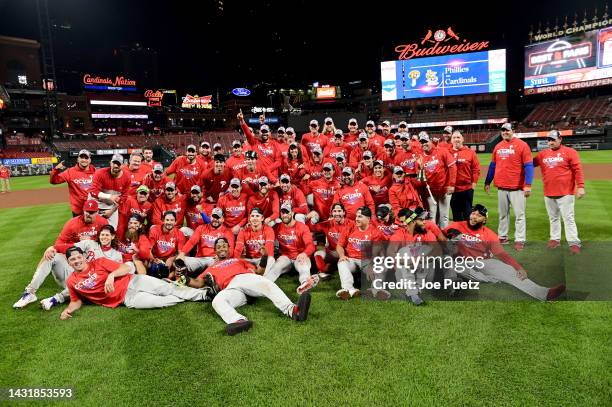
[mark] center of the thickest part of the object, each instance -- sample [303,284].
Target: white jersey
[92,251]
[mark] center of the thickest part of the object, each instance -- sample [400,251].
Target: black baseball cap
[481,209]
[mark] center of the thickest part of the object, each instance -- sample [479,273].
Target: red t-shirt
[251,242]
[186,173]
[79,183]
[268,204]
[235,163]
[225,270]
[250,178]
[482,242]
[296,198]
[162,205]
[136,177]
[89,284]
[407,160]
[384,183]
[76,230]
[156,188]
[357,242]
[509,158]
[103,181]
[323,192]
[440,170]
[561,171]
[403,195]
[332,230]
[234,209]
[216,184]
[204,238]
[468,168]
[293,240]
[165,244]
[354,197]
[132,207]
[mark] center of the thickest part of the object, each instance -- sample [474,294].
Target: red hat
[90,205]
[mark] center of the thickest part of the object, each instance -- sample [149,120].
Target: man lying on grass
[110,284]
[233,279]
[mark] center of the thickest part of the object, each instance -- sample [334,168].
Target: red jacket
[234,209]
[79,183]
[293,240]
[162,205]
[76,230]
[186,174]
[468,168]
[354,197]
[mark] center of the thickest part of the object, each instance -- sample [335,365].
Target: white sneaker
[49,303]
[26,298]
[311,282]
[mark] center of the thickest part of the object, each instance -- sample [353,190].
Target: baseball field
[515,351]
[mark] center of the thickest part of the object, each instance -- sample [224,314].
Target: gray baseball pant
[518,201]
[149,292]
[562,207]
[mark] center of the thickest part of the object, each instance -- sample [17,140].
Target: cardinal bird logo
[452,34]
[427,37]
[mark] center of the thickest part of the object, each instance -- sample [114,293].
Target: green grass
[358,352]
[586,157]
[35,182]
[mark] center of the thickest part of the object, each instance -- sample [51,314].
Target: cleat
[519,246]
[210,282]
[238,326]
[49,303]
[383,295]
[504,240]
[308,284]
[553,244]
[574,249]
[324,276]
[26,298]
[416,300]
[555,292]
[343,294]
[300,310]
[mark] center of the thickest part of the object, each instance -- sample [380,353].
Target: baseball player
[147,159]
[408,156]
[402,194]
[252,172]
[328,128]
[235,279]
[204,156]
[236,160]
[357,153]
[294,197]
[353,250]
[204,239]
[86,226]
[468,171]
[79,179]
[233,206]
[323,191]
[156,182]
[110,284]
[187,170]
[441,173]
[563,183]
[266,149]
[5,179]
[110,187]
[353,195]
[54,262]
[445,141]
[352,137]
[216,180]
[166,243]
[195,211]
[511,169]
[295,247]
[379,183]
[135,205]
[255,242]
[294,164]
[385,128]
[136,171]
[332,229]
[478,240]
[266,199]
[374,138]
[171,200]
[314,138]
[133,243]
[336,145]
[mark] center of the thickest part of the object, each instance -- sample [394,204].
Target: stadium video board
[447,75]
[581,60]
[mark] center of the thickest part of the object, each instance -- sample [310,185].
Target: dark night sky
[288,42]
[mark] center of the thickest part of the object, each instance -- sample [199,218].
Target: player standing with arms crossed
[511,170]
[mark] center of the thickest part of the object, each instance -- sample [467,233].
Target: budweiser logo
[439,38]
[98,80]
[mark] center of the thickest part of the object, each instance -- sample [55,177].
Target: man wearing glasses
[511,170]
[563,182]
[79,179]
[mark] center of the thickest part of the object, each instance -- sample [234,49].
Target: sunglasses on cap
[84,156]
[352,123]
[329,123]
[170,189]
[314,125]
[289,133]
[191,150]
[143,193]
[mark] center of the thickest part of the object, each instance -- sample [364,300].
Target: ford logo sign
[241,92]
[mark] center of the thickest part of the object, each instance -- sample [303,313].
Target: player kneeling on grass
[110,284]
[354,250]
[296,247]
[233,279]
[476,240]
[55,263]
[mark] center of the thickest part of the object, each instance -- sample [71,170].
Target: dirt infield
[58,195]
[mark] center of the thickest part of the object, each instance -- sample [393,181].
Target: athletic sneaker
[238,326]
[26,298]
[553,244]
[383,295]
[504,240]
[210,282]
[554,292]
[300,310]
[343,294]
[575,249]
[49,303]
[519,246]
[311,282]
[324,276]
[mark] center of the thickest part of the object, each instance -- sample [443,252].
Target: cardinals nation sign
[439,39]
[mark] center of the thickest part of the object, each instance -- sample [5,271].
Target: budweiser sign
[203,102]
[439,39]
[98,80]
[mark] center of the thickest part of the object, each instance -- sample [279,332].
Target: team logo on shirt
[288,239]
[84,183]
[387,230]
[471,241]
[431,165]
[235,210]
[334,236]
[410,163]
[189,173]
[87,284]
[209,240]
[504,153]
[552,162]
[166,246]
[359,244]
[224,263]
[325,193]
[352,197]
[265,151]
[140,212]
[254,245]
[88,234]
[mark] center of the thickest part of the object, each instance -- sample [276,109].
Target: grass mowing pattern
[475,353]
